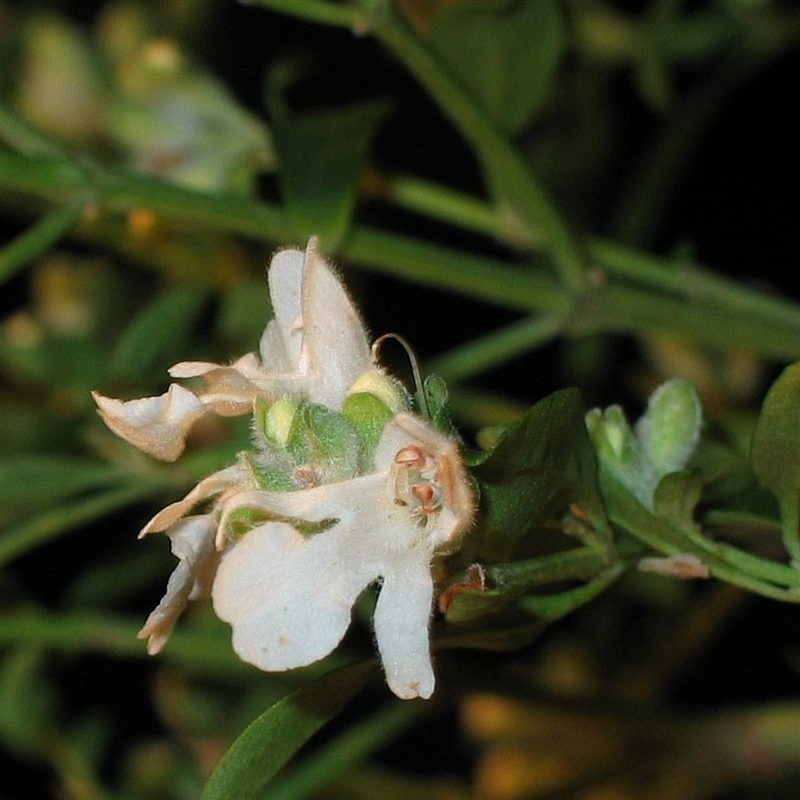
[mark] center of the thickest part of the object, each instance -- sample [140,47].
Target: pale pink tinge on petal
[229,390]
[231,477]
[193,542]
[156,425]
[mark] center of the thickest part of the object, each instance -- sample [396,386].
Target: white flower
[315,347]
[342,491]
[288,595]
[193,542]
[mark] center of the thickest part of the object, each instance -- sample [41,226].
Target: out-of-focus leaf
[775,453]
[26,701]
[676,497]
[60,519]
[44,480]
[541,466]
[346,751]
[243,312]
[272,739]
[159,333]
[321,159]
[16,255]
[775,446]
[504,51]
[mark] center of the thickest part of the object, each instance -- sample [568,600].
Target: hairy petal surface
[192,541]
[288,596]
[156,425]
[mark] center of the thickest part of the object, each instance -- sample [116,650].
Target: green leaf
[775,453]
[16,255]
[27,703]
[346,751]
[677,496]
[775,446]
[159,334]
[321,160]
[59,519]
[44,480]
[505,52]
[539,467]
[272,739]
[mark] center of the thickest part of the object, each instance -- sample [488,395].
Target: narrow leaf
[29,480]
[347,750]
[38,238]
[272,739]
[159,333]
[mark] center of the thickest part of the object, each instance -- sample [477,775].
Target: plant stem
[481,354]
[507,173]
[692,282]
[343,15]
[461,210]
[765,325]
[22,137]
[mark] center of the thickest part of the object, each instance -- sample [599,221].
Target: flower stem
[507,173]
[481,354]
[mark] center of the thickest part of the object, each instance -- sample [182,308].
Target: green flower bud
[388,390]
[670,428]
[661,443]
[274,420]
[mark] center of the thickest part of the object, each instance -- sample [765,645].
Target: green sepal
[325,442]
[432,402]
[244,519]
[368,415]
[270,477]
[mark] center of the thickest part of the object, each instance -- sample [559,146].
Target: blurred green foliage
[507,173]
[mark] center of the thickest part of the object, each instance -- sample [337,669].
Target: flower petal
[448,473]
[282,339]
[231,477]
[156,425]
[193,542]
[335,345]
[402,617]
[288,598]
